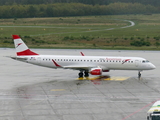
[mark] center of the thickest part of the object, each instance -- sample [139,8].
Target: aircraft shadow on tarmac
[65,86]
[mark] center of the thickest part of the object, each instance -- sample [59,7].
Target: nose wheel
[139,74]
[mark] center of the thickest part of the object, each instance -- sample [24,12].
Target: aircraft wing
[79,67]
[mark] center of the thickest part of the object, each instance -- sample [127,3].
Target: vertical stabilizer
[21,47]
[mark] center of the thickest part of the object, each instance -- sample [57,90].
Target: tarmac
[29,92]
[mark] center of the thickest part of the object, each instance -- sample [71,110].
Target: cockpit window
[145,61]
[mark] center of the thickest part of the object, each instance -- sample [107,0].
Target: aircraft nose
[153,66]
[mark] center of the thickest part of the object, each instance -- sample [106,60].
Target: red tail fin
[21,47]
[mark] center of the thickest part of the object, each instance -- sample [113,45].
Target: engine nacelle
[96,71]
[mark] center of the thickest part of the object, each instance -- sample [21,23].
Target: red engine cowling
[96,71]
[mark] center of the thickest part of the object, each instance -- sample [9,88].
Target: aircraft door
[39,60]
[136,63]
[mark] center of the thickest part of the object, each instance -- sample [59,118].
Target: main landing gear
[139,74]
[83,74]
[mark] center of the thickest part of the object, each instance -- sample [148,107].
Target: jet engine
[96,71]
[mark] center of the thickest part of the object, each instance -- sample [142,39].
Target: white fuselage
[94,65]
[87,62]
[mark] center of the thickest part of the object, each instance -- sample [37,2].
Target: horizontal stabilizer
[18,58]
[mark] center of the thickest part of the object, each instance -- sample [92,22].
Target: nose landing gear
[139,74]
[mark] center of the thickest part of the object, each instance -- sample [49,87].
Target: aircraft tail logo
[21,47]
[19,44]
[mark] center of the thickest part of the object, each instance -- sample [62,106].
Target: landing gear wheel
[139,74]
[86,74]
[81,74]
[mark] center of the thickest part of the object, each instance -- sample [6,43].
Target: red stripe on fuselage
[126,61]
[56,63]
[26,52]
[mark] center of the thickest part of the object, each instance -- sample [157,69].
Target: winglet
[82,54]
[21,47]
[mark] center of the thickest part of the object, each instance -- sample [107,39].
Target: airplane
[94,65]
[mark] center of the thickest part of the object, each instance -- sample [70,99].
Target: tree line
[91,2]
[74,9]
